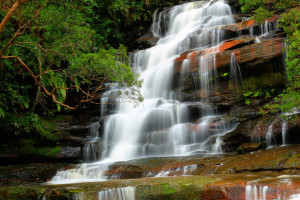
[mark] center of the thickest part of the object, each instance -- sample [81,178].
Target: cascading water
[161,126]
[284,132]
[91,147]
[126,193]
[269,137]
[182,171]
[235,72]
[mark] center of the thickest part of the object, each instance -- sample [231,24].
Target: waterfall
[264,28]
[269,137]
[235,72]
[90,149]
[126,193]
[156,128]
[161,125]
[284,132]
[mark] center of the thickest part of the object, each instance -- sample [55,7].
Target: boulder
[249,147]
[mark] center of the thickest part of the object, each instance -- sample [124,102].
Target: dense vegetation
[290,23]
[58,56]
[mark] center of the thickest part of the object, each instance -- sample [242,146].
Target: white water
[126,193]
[90,151]
[161,126]
[265,29]
[235,72]
[284,132]
[182,171]
[269,137]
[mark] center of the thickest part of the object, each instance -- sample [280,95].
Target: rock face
[69,134]
[256,61]
[273,129]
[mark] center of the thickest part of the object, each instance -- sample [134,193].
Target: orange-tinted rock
[234,190]
[194,55]
[254,53]
[246,24]
[258,52]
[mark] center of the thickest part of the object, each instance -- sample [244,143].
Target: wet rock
[197,110]
[71,141]
[146,41]
[69,153]
[232,140]
[74,125]
[194,55]
[125,171]
[253,53]
[234,191]
[33,173]
[101,127]
[249,147]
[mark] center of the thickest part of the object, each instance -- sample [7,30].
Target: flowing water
[235,72]
[126,193]
[283,190]
[284,132]
[161,125]
[269,137]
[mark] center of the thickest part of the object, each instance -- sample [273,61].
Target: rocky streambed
[224,176]
[205,187]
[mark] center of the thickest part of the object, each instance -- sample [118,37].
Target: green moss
[267,80]
[293,161]
[30,149]
[168,189]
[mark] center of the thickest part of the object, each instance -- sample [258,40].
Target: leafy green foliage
[260,93]
[69,50]
[290,23]
[261,14]
[28,125]
[249,5]
[63,52]
[117,20]
[264,9]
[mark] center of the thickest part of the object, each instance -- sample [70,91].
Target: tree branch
[10,13]
[52,93]
[19,32]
